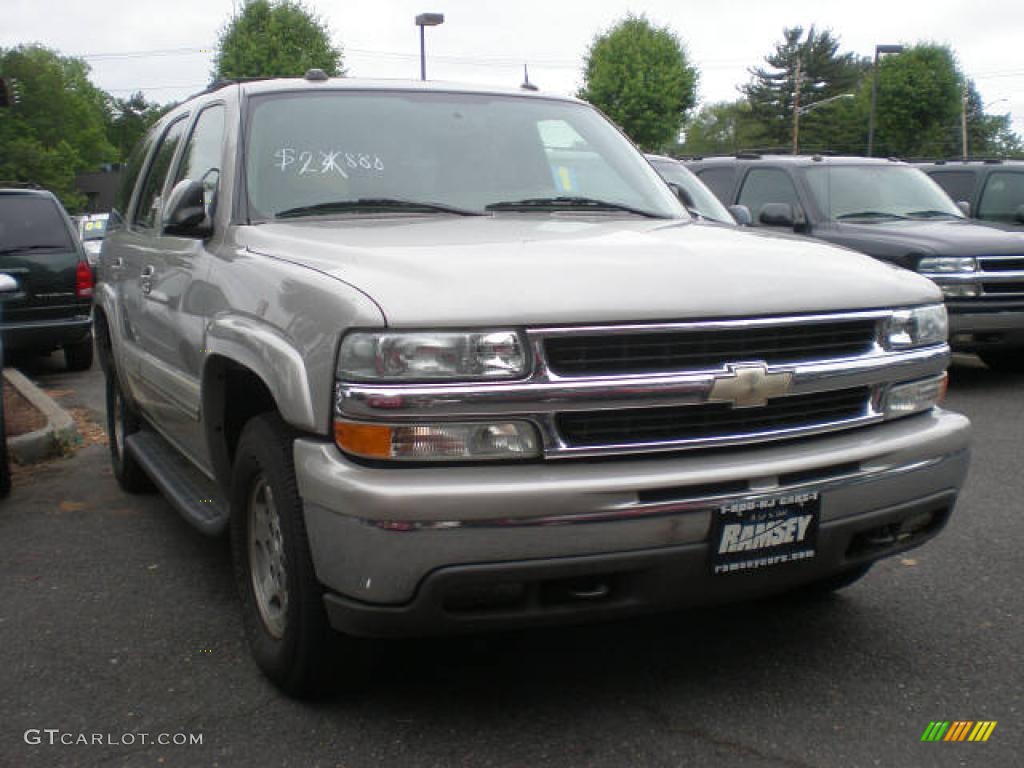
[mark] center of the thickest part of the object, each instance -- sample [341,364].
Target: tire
[5,467]
[122,421]
[282,601]
[1004,360]
[835,582]
[78,356]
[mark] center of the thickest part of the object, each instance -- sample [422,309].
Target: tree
[275,39]
[639,75]
[723,128]
[58,127]
[129,119]
[824,74]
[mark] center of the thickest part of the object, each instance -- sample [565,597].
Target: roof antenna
[527,85]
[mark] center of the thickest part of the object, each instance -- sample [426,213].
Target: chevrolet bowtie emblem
[749,386]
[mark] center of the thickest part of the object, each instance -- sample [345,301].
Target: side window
[959,185]
[129,177]
[149,201]
[202,156]
[767,185]
[719,181]
[1002,196]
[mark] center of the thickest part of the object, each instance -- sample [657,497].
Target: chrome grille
[665,351]
[1001,263]
[712,420]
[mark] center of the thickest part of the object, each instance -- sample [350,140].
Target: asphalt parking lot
[118,619]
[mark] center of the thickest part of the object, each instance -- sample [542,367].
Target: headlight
[960,290]
[468,441]
[917,396]
[431,356]
[918,327]
[947,264]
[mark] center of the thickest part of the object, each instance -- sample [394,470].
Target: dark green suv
[52,305]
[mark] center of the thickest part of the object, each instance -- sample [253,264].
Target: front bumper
[400,548]
[971,330]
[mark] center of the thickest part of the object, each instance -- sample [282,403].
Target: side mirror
[684,197]
[742,215]
[965,207]
[1020,214]
[185,211]
[776,215]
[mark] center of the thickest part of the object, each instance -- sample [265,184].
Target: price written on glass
[306,162]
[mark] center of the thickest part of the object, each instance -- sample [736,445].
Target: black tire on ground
[282,601]
[78,356]
[836,581]
[5,467]
[122,421]
[1004,360]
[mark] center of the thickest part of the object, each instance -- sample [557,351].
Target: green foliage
[59,126]
[824,74]
[129,120]
[639,75]
[723,128]
[275,39]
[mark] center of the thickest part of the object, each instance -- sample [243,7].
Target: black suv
[894,212]
[51,306]
[994,189]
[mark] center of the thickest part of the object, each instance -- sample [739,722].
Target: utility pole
[963,122]
[796,107]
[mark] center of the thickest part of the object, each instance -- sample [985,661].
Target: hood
[942,238]
[526,269]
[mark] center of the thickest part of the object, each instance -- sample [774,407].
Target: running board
[196,497]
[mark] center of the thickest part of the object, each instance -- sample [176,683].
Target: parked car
[692,193]
[894,212]
[445,358]
[52,307]
[92,227]
[993,190]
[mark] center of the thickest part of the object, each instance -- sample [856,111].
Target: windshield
[32,222]
[878,192]
[704,202]
[338,152]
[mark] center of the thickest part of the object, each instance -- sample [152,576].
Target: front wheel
[1004,360]
[282,601]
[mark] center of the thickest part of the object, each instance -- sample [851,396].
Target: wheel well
[101,330]
[232,394]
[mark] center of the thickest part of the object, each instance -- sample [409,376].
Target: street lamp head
[889,49]
[429,19]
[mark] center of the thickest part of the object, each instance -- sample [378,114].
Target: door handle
[146,279]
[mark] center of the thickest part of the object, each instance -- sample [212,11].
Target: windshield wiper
[374,204]
[870,215]
[23,248]
[568,203]
[930,214]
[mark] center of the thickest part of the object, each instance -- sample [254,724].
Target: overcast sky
[164,47]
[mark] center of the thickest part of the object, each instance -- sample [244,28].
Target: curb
[51,440]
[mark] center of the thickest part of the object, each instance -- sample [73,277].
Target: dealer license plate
[764,531]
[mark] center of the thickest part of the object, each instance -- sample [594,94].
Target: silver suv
[445,358]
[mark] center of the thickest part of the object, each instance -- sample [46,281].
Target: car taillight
[83,280]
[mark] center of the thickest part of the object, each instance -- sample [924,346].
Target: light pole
[879,49]
[422,21]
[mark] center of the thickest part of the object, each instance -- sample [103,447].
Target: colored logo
[959,730]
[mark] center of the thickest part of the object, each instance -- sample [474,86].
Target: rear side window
[129,177]
[719,181]
[1002,196]
[149,201]
[959,185]
[767,185]
[32,223]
